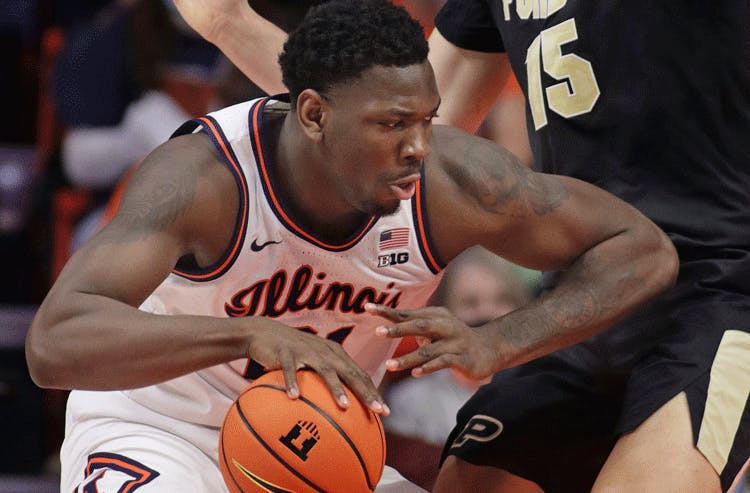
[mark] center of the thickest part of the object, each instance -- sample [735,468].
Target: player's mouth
[405,188]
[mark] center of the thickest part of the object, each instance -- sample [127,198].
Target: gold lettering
[553,6]
[525,8]
[506,9]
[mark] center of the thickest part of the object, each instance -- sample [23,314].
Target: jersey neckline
[264,162]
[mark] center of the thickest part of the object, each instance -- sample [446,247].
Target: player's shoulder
[191,153]
[463,159]
[183,171]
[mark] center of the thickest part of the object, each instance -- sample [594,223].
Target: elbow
[41,373]
[40,360]
[666,262]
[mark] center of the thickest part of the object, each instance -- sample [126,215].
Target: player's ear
[311,113]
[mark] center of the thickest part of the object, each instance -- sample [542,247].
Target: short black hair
[340,39]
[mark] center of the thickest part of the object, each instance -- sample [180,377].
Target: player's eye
[394,124]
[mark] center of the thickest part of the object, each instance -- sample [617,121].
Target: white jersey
[277,269]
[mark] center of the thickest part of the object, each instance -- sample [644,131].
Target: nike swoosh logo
[256,248]
[258,480]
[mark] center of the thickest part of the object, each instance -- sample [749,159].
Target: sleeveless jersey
[276,269]
[648,100]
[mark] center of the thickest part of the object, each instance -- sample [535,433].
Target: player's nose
[416,145]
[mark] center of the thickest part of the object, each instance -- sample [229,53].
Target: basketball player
[660,92]
[257,236]
[651,101]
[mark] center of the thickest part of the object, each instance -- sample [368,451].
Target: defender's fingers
[441,362]
[401,314]
[437,352]
[421,327]
[387,312]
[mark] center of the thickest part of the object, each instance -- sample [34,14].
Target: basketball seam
[273,452]
[224,454]
[333,423]
[382,448]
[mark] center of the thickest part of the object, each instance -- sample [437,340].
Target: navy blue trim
[426,240]
[270,166]
[92,462]
[186,128]
[238,236]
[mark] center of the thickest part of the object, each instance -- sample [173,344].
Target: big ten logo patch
[480,428]
[301,438]
[393,259]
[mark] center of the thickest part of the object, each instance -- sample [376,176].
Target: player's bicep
[557,219]
[537,220]
[153,228]
[121,266]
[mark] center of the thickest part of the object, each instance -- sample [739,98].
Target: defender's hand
[444,341]
[278,346]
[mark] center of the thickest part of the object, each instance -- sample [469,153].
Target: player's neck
[305,190]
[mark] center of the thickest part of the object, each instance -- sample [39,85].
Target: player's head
[340,39]
[364,96]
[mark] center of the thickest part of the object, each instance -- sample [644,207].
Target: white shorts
[114,444]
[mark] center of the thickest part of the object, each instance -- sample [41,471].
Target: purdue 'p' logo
[301,438]
[480,428]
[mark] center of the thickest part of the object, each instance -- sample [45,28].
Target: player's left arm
[611,257]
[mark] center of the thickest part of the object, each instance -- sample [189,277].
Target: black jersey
[647,99]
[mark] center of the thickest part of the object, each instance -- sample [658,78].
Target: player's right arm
[89,333]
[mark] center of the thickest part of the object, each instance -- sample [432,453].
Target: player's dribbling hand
[444,341]
[278,346]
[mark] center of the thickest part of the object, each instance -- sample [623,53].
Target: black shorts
[555,420]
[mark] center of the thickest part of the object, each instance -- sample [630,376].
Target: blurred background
[88,88]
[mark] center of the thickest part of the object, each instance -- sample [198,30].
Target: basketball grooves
[272,452]
[329,419]
[227,462]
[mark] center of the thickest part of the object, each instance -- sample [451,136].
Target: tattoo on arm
[156,199]
[552,319]
[497,179]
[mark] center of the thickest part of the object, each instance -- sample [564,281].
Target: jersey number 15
[578,90]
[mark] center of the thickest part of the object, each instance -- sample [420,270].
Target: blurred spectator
[19,38]
[476,287]
[97,157]
[110,95]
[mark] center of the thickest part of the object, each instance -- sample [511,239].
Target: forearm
[605,285]
[98,343]
[469,82]
[253,44]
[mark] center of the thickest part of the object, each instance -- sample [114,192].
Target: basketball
[269,442]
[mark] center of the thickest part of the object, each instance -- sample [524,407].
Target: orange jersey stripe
[277,205]
[243,220]
[422,230]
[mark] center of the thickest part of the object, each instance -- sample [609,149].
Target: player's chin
[386,208]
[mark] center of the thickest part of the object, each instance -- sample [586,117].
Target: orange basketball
[270,442]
